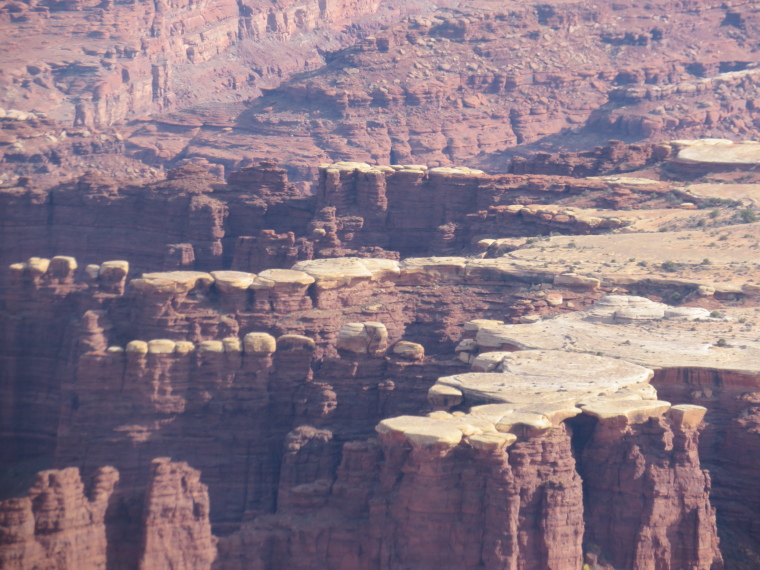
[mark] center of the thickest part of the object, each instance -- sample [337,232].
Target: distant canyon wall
[148,57]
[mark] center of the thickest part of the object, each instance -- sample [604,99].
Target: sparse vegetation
[747,215]
[673,199]
[722,343]
[713,202]
[669,266]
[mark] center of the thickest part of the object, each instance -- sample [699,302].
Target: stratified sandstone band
[521,456]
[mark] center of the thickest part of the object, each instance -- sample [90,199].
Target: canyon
[143,88]
[367,284]
[328,403]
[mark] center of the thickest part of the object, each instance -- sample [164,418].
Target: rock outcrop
[58,524]
[646,491]
[274,313]
[177,532]
[470,84]
[139,59]
[693,367]
[611,158]
[496,482]
[409,84]
[259,220]
[280,390]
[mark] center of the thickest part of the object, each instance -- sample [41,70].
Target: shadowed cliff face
[490,507]
[729,435]
[57,525]
[206,374]
[61,321]
[177,532]
[395,507]
[278,377]
[272,384]
[432,491]
[645,487]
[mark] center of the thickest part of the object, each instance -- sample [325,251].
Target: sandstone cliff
[177,533]
[444,491]
[259,220]
[303,433]
[149,57]
[58,524]
[470,84]
[340,410]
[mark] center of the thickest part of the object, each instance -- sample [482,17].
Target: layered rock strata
[454,84]
[315,299]
[58,524]
[694,365]
[611,158]
[235,393]
[136,59]
[496,481]
[279,377]
[208,366]
[259,220]
[472,84]
[41,306]
[401,207]
[177,532]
